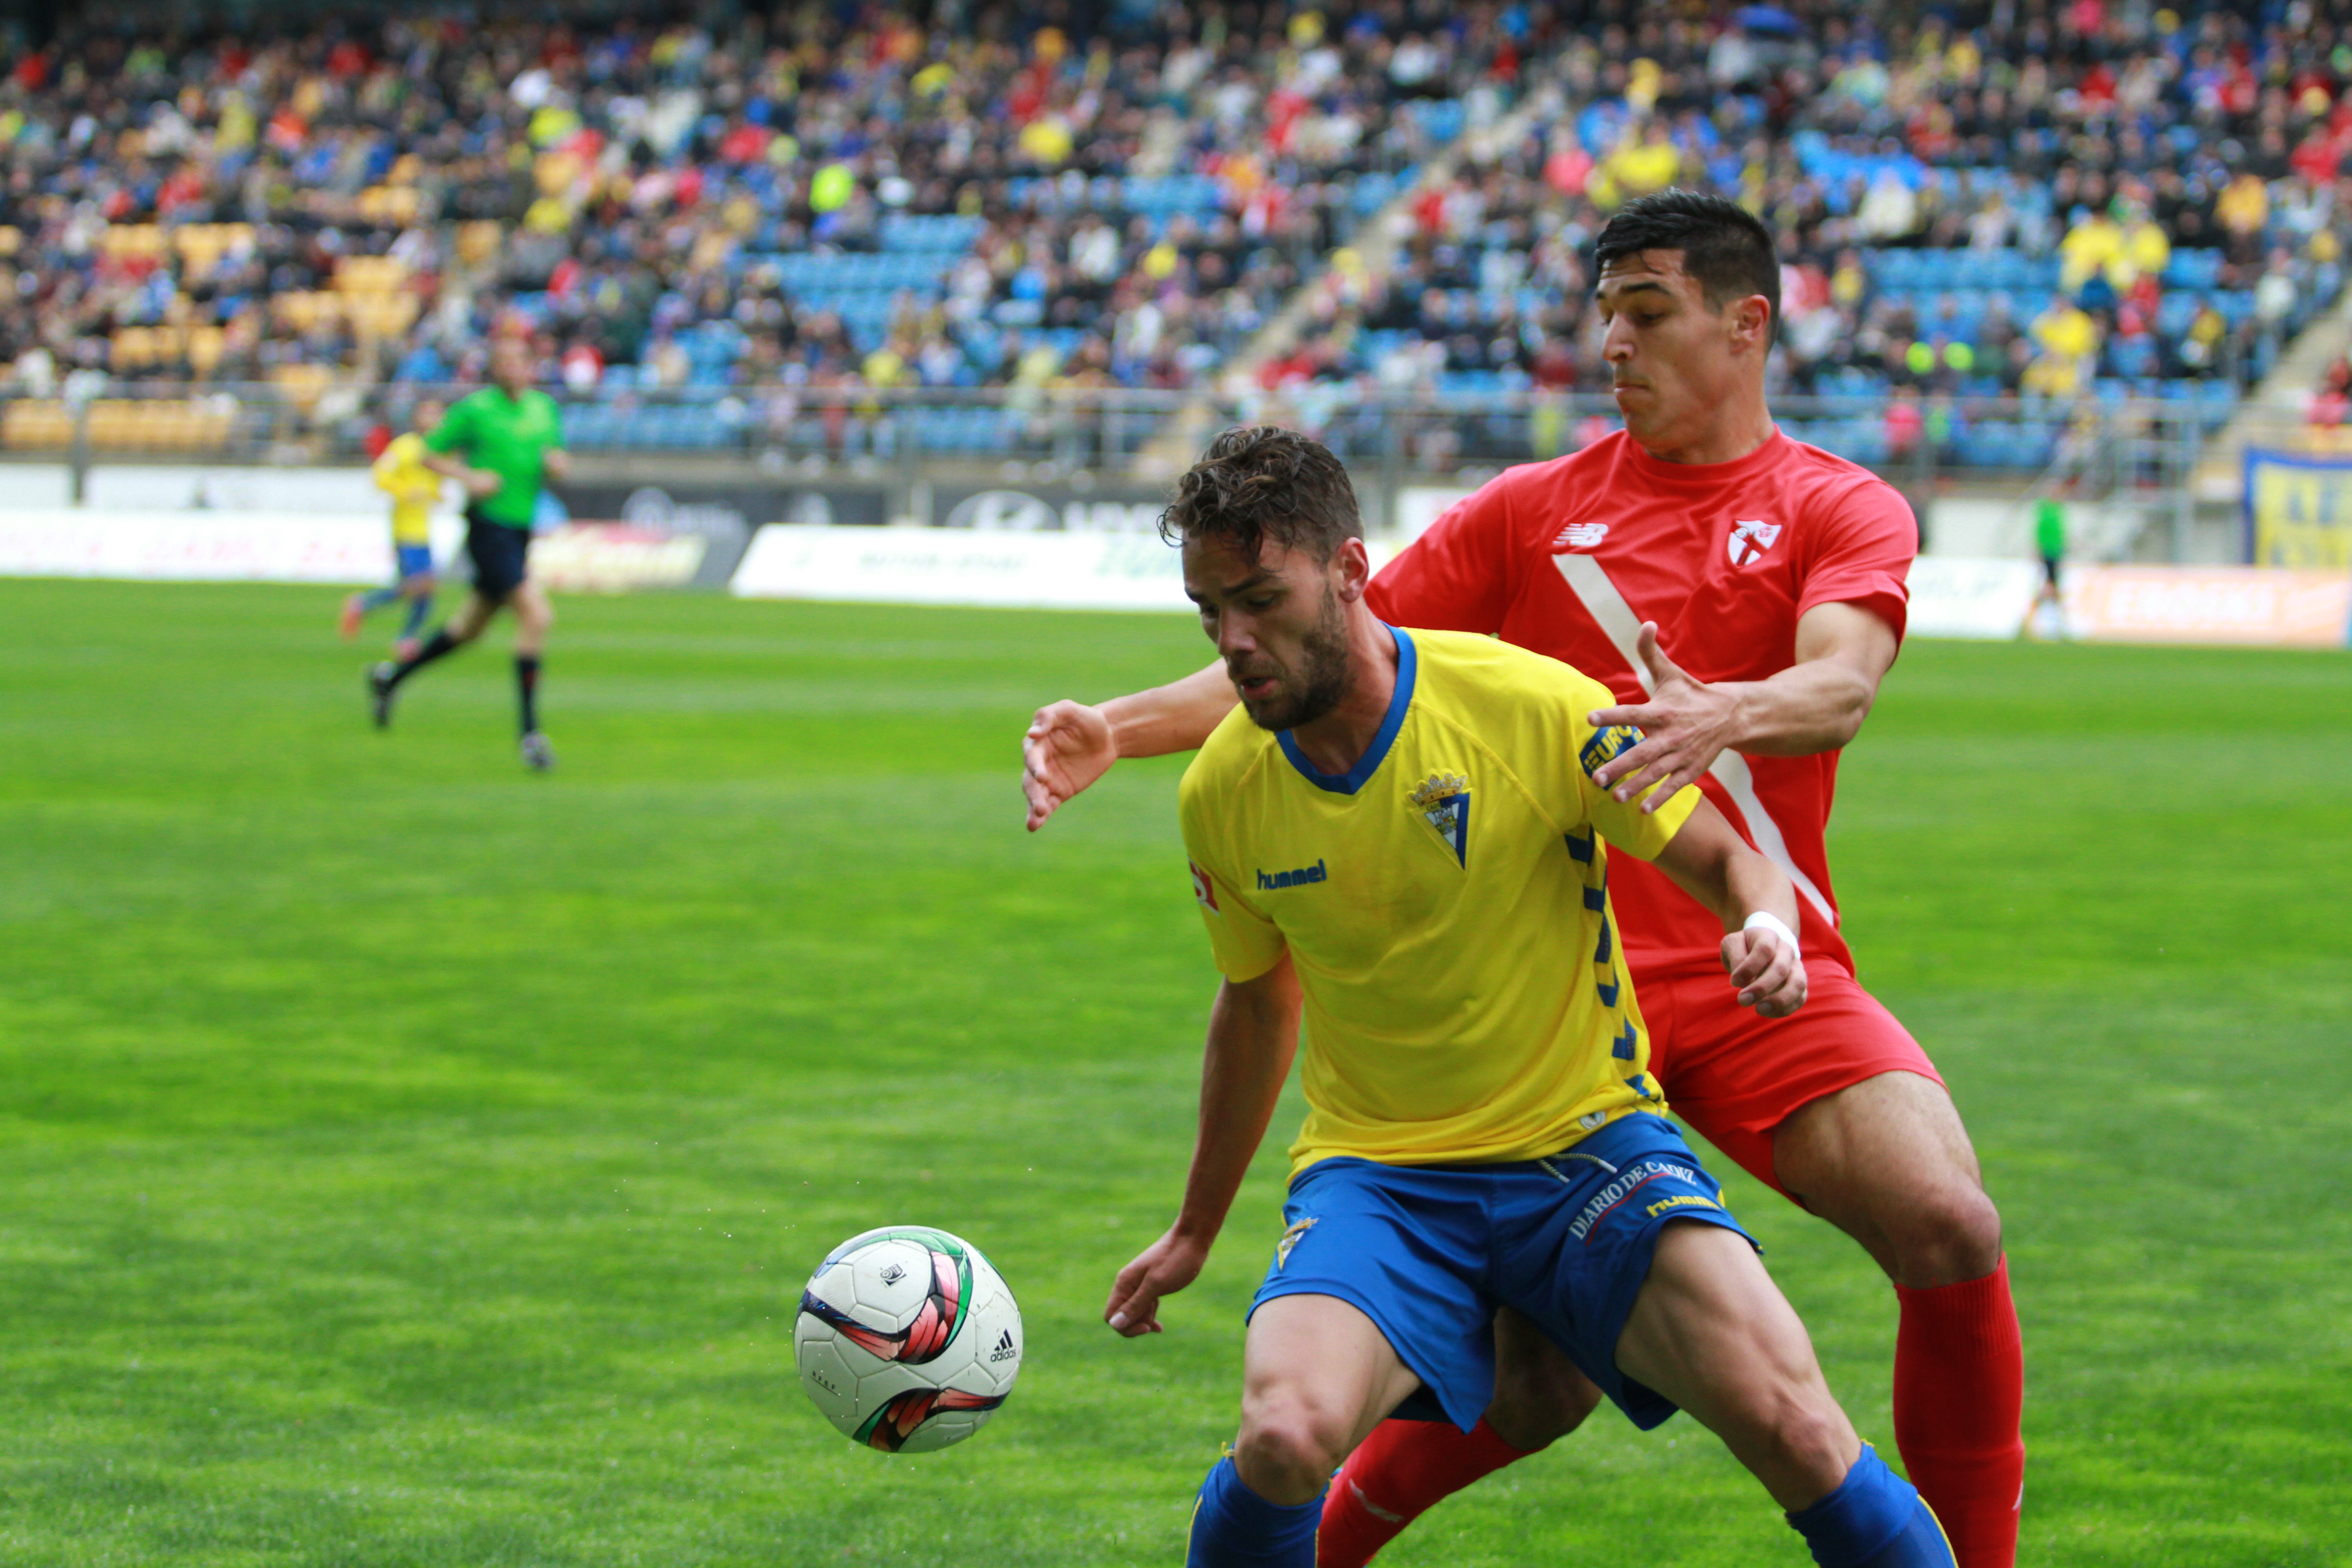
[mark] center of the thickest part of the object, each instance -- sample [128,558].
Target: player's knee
[1808,1436]
[1285,1453]
[1951,1236]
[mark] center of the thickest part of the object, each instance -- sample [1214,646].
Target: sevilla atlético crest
[1750,540]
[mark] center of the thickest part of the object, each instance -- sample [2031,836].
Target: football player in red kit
[1778,573]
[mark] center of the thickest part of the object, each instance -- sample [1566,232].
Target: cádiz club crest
[1443,802]
[1750,540]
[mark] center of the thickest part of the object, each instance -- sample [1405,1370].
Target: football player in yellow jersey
[1389,827]
[401,471]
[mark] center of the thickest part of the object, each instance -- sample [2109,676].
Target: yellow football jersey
[1445,904]
[414,488]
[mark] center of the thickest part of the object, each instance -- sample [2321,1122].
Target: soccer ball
[908,1338]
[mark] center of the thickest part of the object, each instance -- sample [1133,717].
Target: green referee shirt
[2050,527]
[510,437]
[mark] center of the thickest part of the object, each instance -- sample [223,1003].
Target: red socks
[1398,1472]
[1959,1394]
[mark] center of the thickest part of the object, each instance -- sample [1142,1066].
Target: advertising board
[1044,509]
[1954,596]
[2249,604]
[962,566]
[201,546]
[2298,511]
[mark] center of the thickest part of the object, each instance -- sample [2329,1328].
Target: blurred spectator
[2332,402]
[2068,339]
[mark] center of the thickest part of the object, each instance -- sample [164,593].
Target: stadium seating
[1980,219]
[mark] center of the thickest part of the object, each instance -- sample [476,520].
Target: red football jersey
[1568,557]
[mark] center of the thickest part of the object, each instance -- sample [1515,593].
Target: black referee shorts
[499,553]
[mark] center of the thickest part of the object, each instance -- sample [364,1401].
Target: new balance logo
[1005,1348]
[1581,536]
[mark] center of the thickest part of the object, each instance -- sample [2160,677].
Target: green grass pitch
[410,1161]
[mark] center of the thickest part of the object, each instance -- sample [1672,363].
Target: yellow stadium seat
[35,423]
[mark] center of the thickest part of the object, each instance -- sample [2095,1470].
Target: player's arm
[1253,1033]
[478,482]
[1070,745]
[1817,704]
[555,464]
[1753,899]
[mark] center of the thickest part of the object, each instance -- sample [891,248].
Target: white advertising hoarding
[966,567]
[1953,596]
[202,546]
[961,566]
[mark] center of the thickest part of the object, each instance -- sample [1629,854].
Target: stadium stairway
[2272,414]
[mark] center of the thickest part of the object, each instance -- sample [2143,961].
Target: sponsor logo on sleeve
[1605,744]
[1204,888]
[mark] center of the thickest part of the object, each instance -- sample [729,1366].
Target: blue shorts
[416,560]
[1428,1252]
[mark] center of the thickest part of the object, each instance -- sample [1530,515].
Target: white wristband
[1765,919]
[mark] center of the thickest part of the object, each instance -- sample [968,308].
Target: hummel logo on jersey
[1581,536]
[1750,540]
[1269,880]
[1443,802]
[1005,1348]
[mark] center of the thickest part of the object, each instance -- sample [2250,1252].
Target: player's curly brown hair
[1261,483]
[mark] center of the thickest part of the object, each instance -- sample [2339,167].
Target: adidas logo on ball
[1005,1350]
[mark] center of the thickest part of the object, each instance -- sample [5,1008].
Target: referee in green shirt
[503,444]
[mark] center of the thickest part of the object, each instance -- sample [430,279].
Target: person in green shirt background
[2049,544]
[504,444]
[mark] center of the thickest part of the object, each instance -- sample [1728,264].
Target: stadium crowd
[2030,199]
[2052,202]
[811,199]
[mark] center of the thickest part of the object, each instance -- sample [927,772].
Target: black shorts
[498,553]
[2050,571]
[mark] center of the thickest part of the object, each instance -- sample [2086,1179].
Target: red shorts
[1735,1077]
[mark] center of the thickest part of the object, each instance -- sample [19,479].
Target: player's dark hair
[1260,482]
[1725,248]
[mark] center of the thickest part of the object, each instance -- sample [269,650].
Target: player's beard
[1315,687]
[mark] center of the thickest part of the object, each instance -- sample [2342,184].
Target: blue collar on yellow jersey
[1369,763]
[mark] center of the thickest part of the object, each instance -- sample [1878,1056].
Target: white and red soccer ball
[908,1338]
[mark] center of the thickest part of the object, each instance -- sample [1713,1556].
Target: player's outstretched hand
[1684,726]
[1768,974]
[481,483]
[1164,1268]
[1068,746]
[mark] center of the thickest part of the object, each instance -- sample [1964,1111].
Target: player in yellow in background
[401,472]
[1398,832]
